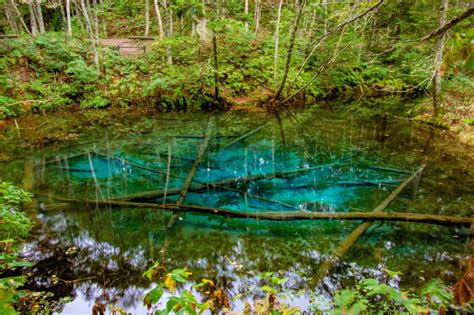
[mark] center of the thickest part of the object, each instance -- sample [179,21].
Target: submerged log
[200,137]
[245,136]
[388,169]
[343,247]
[154,194]
[368,183]
[187,183]
[285,215]
[177,190]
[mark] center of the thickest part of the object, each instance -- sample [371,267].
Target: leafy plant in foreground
[369,296]
[14,226]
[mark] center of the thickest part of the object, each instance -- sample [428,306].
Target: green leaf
[153,296]
[279,281]
[268,289]
[180,275]
[16,264]
[359,307]
[345,298]
[392,274]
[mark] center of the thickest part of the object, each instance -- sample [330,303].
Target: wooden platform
[125,46]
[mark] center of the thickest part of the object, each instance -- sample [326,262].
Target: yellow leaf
[208,281]
[169,283]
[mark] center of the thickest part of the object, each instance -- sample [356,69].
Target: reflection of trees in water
[115,246]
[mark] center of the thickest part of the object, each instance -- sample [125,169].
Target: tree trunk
[192,172]
[95,19]
[33,24]
[147,18]
[63,15]
[289,54]
[10,15]
[246,12]
[170,33]
[443,29]
[78,17]
[277,37]
[286,215]
[344,246]
[216,68]
[18,14]
[150,195]
[91,34]
[257,15]
[39,15]
[68,18]
[158,17]
[439,60]
[104,20]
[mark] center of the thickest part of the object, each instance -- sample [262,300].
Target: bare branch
[441,30]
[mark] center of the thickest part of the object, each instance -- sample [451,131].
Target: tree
[439,59]
[33,23]
[277,37]
[147,18]
[291,45]
[91,33]
[443,29]
[39,16]
[68,18]
[158,18]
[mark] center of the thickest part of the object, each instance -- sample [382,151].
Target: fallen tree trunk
[245,136]
[285,215]
[368,183]
[189,179]
[154,194]
[176,190]
[388,169]
[343,247]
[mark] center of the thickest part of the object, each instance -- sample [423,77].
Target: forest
[236,156]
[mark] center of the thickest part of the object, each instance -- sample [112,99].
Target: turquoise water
[113,246]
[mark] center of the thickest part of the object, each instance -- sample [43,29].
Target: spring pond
[100,252]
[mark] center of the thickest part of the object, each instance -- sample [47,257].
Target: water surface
[99,253]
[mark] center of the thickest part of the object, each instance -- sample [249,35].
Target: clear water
[115,245]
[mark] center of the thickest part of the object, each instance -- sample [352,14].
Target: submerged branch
[189,179]
[344,247]
[154,194]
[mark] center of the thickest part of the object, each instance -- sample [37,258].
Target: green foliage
[185,303]
[81,71]
[469,121]
[372,296]
[9,294]
[14,227]
[369,296]
[15,224]
[94,101]
[374,55]
[7,109]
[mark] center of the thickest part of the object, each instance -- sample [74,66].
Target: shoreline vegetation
[207,55]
